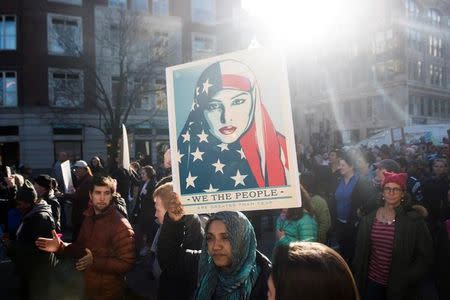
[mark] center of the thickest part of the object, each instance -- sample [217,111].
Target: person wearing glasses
[394,249]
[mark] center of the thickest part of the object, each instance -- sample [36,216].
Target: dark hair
[337,151]
[149,171]
[27,193]
[102,181]
[304,270]
[296,213]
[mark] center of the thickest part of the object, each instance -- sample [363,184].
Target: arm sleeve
[423,253]
[123,257]
[172,255]
[41,227]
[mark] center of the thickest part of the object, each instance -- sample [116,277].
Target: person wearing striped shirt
[393,247]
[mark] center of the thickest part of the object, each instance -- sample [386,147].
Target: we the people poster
[231,133]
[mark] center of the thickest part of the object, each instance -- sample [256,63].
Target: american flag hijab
[229,142]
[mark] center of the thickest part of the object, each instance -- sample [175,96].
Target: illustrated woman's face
[229,114]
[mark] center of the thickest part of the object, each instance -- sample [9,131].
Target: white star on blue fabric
[203,137]
[197,91]
[238,179]
[190,180]
[219,166]
[186,137]
[223,147]
[206,86]
[197,154]
[179,156]
[210,189]
[241,152]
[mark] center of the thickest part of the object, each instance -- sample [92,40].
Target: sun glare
[302,22]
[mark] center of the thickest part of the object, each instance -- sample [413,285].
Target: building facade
[393,71]
[59,57]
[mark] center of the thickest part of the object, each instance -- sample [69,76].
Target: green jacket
[323,218]
[412,253]
[304,229]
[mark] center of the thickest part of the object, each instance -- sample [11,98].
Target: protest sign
[67,176]
[125,149]
[231,133]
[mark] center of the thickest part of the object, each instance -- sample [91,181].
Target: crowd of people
[374,224]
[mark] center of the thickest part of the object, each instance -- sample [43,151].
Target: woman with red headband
[394,249]
[229,140]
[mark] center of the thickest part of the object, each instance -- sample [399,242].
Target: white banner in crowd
[125,149]
[231,133]
[67,176]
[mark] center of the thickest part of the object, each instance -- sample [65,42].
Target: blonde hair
[170,200]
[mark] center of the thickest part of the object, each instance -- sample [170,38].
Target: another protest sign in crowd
[374,224]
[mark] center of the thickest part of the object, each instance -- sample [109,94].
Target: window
[203,11]
[115,85]
[66,88]
[369,108]
[156,97]
[114,40]
[74,149]
[74,2]
[422,106]
[139,5]
[203,46]
[64,35]
[384,41]
[436,75]
[8,33]
[160,94]
[412,10]
[160,7]
[416,70]
[411,104]
[414,39]
[434,46]
[436,107]
[8,89]
[443,109]
[161,42]
[434,17]
[117,3]
[430,107]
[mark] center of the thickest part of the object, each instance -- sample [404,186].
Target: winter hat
[80,164]
[44,180]
[398,178]
[27,193]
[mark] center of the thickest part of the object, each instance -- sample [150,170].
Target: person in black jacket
[34,267]
[436,189]
[180,240]
[394,249]
[44,190]
[145,208]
